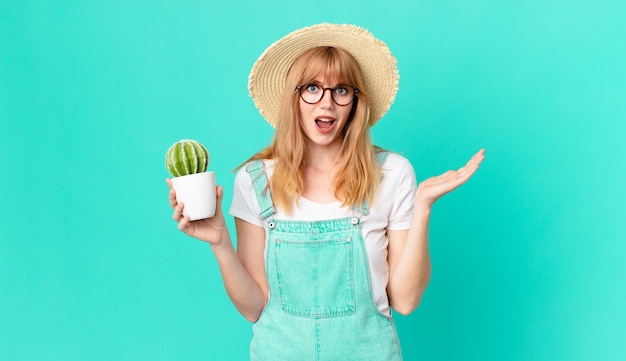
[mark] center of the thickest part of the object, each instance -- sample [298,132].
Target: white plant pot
[197,193]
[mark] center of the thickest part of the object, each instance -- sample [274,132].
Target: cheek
[302,116]
[345,113]
[304,110]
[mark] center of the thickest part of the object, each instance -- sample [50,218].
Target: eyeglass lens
[313,93]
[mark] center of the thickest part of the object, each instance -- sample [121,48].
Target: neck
[322,157]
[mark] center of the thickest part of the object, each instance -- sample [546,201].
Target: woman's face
[323,122]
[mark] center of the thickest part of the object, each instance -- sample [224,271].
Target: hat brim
[378,66]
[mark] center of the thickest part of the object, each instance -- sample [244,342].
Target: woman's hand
[434,188]
[212,230]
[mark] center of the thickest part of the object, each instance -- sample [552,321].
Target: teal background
[527,257]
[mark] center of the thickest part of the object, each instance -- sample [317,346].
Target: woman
[332,232]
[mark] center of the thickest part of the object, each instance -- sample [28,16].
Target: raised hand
[210,230]
[434,188]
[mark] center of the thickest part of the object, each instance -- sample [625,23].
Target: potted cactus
[187,161]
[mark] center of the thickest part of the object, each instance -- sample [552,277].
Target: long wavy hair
[357,174]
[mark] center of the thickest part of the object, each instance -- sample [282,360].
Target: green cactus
[186,157]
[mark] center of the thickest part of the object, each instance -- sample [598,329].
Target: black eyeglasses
[313,93]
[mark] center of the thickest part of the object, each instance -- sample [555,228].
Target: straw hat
[380,74]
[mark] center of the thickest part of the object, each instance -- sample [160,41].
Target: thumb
[219,192]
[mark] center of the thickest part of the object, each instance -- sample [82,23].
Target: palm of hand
[434,188]
[208,230]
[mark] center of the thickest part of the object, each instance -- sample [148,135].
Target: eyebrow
[316,82]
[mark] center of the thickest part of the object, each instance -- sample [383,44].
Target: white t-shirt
[391,209]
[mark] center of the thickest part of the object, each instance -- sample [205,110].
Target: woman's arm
[408,257]
[243,271]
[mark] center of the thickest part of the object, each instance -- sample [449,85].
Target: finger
[178,212]
[172,194]
[468,168]
[445,175]
[172,198]
[479,156]
[182,225]
[466,172]
[474,162]
[476,159]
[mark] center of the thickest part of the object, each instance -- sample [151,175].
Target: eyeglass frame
[356,91]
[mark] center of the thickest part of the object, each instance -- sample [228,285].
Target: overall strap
[381,157]
[256,171]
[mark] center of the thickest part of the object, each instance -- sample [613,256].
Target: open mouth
[325,124]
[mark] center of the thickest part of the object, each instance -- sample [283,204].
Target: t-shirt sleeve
[244,204]
[404,195]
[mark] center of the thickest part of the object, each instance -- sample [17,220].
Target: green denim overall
[320,303]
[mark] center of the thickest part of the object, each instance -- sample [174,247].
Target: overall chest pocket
[315,278]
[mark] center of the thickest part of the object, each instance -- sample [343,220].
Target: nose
[327,100]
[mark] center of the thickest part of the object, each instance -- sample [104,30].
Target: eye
[342,90]
[312,88]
